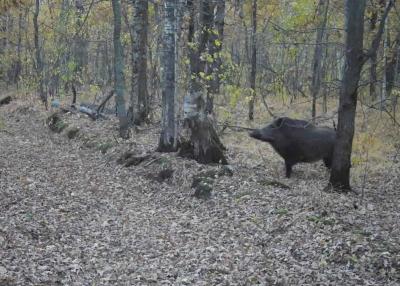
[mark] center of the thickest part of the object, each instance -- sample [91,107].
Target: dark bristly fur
[298,141]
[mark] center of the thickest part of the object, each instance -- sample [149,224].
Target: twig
[235,126]
[115,138]
[152,161]
[7,132]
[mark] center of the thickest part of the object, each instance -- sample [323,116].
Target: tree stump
[5,100]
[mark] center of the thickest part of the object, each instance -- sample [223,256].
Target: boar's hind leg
[288,166]
[328,162]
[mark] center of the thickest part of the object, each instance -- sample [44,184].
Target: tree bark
[119,79]
[322,15]
[253,60]
[202,143]
[373,76]
[385,63]
[81,43]
[39,63]
[167,139]
[340,173]
[215,48]
[324,72]
[391,70]
[139,64]
[354,61]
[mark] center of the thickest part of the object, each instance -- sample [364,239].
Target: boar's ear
[279,122]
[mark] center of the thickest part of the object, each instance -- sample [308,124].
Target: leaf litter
[71,215]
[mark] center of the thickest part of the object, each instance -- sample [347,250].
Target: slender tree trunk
[395,81]
[215,48]
[139,65]
[203,143]
[391,70]
[80,41]
[106,66]
[39,63]
[253,60]
[324,72]
[355,59]
[18,63]
[340,173]
[373,75]
[119,82]
[322,15]
[385,64]
[167,138]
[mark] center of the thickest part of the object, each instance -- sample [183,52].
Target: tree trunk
[215,48]
[395,81]
[354,61]
[81,43]
[119,80]
[391,70]
[167,138]
[373,78]
[324,72]
[39,63]
[340,173]
[373,63]
[253,60]
[322,15]
[18,62]
[384,80]
[373,75]
[139,64]
[203,143]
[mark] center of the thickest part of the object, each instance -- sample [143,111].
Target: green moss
[282,211]
[72,132]
[60,126]
[104,146]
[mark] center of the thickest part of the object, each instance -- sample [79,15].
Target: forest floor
[70,215]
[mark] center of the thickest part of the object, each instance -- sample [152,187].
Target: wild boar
[298,141]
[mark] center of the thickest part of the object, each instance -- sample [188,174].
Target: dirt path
[72,216]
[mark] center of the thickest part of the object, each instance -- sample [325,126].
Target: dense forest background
[240,58]
[125,155]
[75,46]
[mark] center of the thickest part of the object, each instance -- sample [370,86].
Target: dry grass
[376,137]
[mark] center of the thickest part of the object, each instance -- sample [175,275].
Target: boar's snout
[262,134]
[256,134]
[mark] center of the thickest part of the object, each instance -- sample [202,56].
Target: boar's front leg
[288,166]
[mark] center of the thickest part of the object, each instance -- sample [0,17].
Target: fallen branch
[235,126]
[104,102]
[90,112]
[73,96]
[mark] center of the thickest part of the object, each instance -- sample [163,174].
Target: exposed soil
[71,215]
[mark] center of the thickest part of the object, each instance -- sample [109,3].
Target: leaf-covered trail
[66,209]
[71,216]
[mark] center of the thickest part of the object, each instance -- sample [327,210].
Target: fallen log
[90,112]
